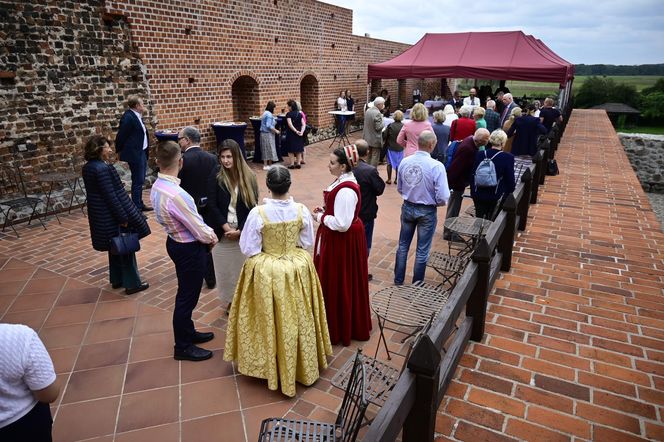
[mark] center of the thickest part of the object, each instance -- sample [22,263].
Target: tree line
[611,69]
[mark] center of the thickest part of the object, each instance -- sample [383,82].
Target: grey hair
[508,96]
[465,111]
[490,104]
[192,133]
[426,139]
[439,116]
[278,179]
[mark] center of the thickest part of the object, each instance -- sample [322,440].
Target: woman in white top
[342,104]
[277,328]
[450,116]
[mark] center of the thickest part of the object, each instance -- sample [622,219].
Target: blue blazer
[504,164]
[130,138]
[527,129]
[109,205]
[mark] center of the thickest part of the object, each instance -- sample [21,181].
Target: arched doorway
[245,104]
[309,98]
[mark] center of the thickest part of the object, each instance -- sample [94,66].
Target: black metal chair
[381,377]
[13,196]
[345,428]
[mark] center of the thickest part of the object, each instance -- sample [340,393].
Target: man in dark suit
[371,187]
[131,143]
[197,166]
[509,103]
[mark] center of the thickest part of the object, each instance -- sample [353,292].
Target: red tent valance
[509,55]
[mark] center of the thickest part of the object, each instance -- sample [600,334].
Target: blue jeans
[138,170]
[424,218]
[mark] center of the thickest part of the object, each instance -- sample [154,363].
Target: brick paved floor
[574,346]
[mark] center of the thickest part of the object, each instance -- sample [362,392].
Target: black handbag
[552,168]
[125,243]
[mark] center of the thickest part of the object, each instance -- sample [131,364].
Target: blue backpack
[485,174]
[449,153]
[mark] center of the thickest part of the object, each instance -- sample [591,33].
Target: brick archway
[309,98]
[245,94]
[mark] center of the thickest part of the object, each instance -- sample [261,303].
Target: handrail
[412,404]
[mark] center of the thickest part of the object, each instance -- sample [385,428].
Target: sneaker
[266,167]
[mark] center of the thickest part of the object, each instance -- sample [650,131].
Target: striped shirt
[176,212]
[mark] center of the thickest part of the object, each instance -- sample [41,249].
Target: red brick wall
[278,46]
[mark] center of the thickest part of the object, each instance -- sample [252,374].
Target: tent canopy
[509,55]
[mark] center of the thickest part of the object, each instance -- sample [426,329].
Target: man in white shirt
[472,100]
[27,385]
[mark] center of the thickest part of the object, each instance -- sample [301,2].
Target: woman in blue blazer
[486,198]
[109,209]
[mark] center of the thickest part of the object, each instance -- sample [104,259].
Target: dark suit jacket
[371,186]
[217,208]
[109,205]
[130,138]
[504,117]
[527,129]
[197,165]
[504,164]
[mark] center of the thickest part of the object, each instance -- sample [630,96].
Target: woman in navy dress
[294,131]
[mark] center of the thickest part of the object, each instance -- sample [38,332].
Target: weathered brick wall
[66,74]
[68,67]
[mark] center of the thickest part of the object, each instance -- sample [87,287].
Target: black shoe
[140,288]
[370,277]
[211,285]
[147,209]
[116,286]
[201,337]
[192,353]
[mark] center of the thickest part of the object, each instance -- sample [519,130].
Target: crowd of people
[286,307]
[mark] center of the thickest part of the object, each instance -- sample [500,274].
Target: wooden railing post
[523,204]
[476,307]
[506,241]
[545,162]
[424,363]
[537,161]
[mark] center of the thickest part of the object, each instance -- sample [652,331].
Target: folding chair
[380,376]
[13,196]
[345,428]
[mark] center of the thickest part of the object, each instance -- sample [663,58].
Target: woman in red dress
[340,253]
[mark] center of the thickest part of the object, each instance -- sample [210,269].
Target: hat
[352,155]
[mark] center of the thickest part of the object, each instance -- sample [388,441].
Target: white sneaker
[266,167]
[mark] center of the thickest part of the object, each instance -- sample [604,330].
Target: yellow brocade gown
[277,329]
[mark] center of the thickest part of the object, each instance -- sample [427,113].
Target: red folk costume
[341,262]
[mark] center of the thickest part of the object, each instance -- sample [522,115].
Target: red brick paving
[574,347]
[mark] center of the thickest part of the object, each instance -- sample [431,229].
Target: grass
[653,130]
[531,88]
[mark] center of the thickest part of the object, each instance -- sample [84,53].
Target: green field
[529,88]
[643,130]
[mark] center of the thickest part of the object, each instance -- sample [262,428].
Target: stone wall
[66,71]
[646,155]
[67,67]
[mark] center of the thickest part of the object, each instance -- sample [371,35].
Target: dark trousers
[123,270]
[368,232]
[33,427]
[485,209]
[210,277]
[138,169]
[190,267]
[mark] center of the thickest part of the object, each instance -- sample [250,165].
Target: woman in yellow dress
[277,328]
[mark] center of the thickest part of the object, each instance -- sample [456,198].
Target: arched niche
[309,98]
[245,93]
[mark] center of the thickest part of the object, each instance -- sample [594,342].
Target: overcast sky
[580,31]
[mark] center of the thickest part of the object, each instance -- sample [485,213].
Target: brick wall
[70,66]
[66,73]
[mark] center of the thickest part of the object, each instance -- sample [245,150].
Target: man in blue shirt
[422,183]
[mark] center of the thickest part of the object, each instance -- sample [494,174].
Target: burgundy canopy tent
[509,55]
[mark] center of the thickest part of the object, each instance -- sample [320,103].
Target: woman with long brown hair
[232,193]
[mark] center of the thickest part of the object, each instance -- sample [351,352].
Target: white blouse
[251,238]
[344,205]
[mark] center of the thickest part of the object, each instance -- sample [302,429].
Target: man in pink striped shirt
[189,240]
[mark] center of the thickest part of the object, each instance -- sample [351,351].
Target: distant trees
[600,90]
[609,69]
[652,102]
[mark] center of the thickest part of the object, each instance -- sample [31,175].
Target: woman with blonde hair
[514,114]
[478,115]
[411,131]
[232,193]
